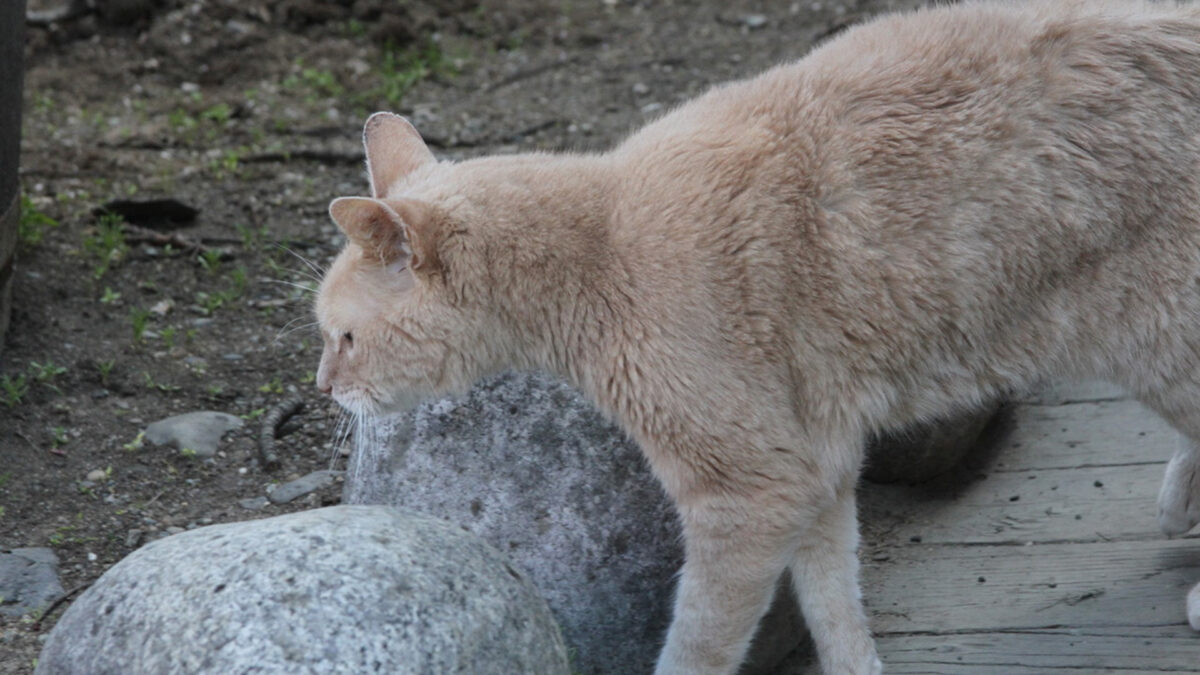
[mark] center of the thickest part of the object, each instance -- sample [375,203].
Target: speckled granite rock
[345,589]
[530,466]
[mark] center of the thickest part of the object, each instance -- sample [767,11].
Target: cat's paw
[1179,499]
[1193,607]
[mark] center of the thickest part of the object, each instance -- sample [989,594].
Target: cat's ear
[394,149]
[399,229]
[373,226]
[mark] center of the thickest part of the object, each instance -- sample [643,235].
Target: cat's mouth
[357,402]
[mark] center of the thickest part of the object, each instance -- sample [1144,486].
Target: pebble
[254,503]
[302,486]
[133,538]
[97,475]
[754,21]
[641,89]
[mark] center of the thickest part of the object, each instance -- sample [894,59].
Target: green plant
[238,277]
[105,368]
[43,372]
[32,224]
[210,260]
[318,84]
[168,337]
[219,113]
[60,437]
[109,296]
[138,319]
[209,302]
[188,453]
[14,388]
[107,243]
[228,162]
[275,386]
[252,238]
[137,442]
[148,379]
[400,71]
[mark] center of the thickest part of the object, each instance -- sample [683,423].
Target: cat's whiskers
[288,329]
[303,287]
[341,435]
[317,272]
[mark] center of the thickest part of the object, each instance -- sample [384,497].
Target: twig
[271,423]
[37,624]
[528,73]
[139,234]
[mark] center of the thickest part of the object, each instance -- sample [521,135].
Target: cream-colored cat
[923,213]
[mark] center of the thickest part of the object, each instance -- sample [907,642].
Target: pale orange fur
[924,213]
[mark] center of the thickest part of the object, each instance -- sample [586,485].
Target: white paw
[1193,607]
[1179,499]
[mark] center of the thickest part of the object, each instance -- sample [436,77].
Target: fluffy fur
[924,213]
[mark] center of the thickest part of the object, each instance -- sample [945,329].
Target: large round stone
[526,463]
[345,589]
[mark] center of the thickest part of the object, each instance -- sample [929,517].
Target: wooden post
[12,49]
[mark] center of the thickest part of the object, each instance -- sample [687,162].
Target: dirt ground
[250,113]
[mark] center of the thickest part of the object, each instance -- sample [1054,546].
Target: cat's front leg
[732,563]
[825,577]
[738,543]
[1179,498]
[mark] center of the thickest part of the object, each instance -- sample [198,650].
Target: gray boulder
[345,589]
[530,466]
[28,581]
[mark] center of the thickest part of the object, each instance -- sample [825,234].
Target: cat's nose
[324,382]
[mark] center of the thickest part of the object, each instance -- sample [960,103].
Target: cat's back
[937,103]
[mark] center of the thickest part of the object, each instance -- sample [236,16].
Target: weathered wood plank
[1101,433]
[933,588]
[1062,393]
[1050,505]
[1139,650]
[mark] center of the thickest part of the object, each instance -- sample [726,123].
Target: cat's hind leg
[1179,497]
[1193,607]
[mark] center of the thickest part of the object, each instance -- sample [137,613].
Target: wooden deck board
[1046,559]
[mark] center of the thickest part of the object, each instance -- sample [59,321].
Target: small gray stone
[754,21]
[133,538]
[197,431]
[345,589]
[254,503]
[28,581]
[302,486]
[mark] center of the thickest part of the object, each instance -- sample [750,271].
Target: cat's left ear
[394,150]
[373,226]
[402,229]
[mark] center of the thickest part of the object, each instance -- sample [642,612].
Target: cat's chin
[361,404]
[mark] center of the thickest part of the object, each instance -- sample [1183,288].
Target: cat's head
[397,315]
